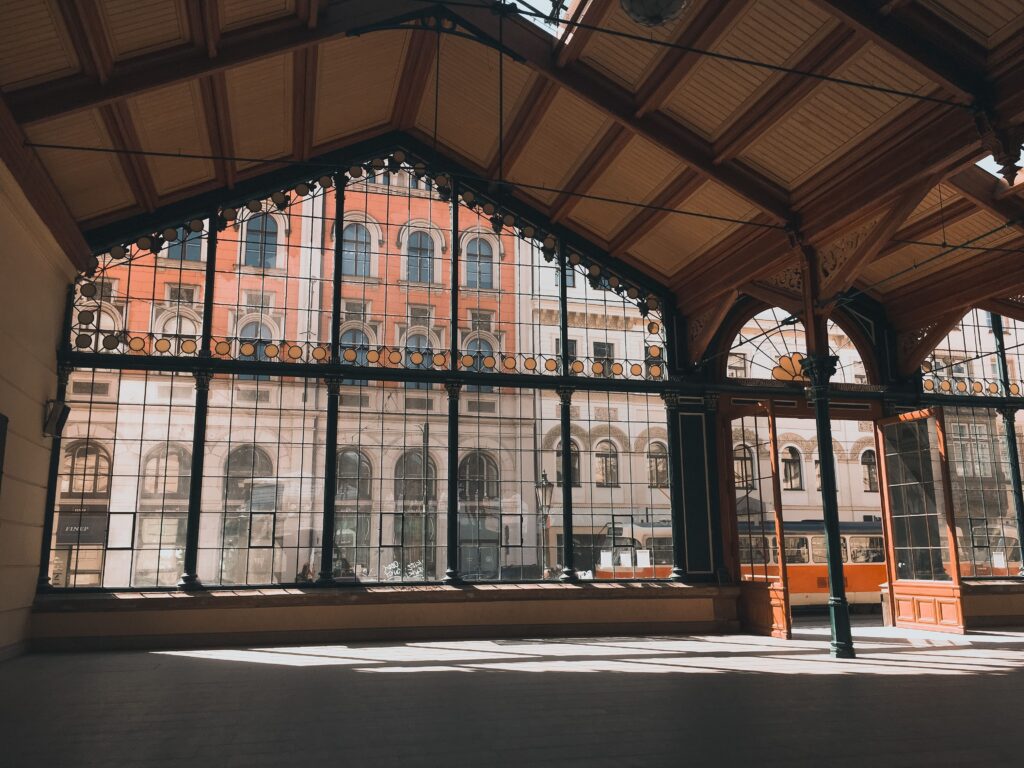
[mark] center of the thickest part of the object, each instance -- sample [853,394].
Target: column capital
[819,369]
[64,372]
[565,394]
[1008,411]
[333,384]
[202,380]
[453,388]
[673,400]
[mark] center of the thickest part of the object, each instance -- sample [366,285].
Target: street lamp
[544,488]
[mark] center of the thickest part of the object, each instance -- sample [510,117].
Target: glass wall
[413,302]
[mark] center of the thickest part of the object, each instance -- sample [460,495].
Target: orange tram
[863,550]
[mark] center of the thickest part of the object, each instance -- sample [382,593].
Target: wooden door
[757,508]
[922,565]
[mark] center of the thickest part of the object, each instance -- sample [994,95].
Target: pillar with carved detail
[820,369]
[190,574]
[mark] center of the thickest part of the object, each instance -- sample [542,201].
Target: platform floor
[909,699]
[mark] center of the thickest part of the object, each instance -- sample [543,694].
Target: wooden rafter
[216,131]
[674,64]
[959,286]
[914,345]
[86,30]
[950,213]
[39,189]
[304,79]
[854,254]
[416,71]
[204,19]
[787,91]
[527,119]
[1002,306]
[755,254]
[590,12]
[985,191]
[952,74]
[124,139]
[702,324]
[672,196]
[589,170]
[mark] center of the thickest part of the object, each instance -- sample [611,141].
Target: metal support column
[675,486]
[451,574]
[820,369]
[190,573]
[568,558]
[1009,425]
[326,576]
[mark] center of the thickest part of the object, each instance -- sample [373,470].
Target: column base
[568,575]
[189,582]
[678,574]
[324,580]
[451,578]
[842,651]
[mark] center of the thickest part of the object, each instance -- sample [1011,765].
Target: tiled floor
[910,698]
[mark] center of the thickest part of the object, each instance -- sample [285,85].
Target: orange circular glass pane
[976,387]
[509,363]
[188,346]
[993,387]
[162,345]
[653,327]
[395,357]
[246,349]
[654,351]
[319,353]
[416,358]
[550,364]
[598,368]
[439,359]
[349,355]
[1014,389]
[372,356]
[489,361]
[467,361]
[617,369]
[961,386]
[655,371]
[635,369]
[271,350]
[222,348]
[929,385]
[944,385]
[530,364]
[576,367]
[295,352]
[137,344]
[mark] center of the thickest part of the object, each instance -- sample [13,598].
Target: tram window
[797,551]
[753,549]
[662,549]
[867,549]
[818,549]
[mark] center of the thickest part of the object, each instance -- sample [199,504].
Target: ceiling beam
[590,12]
[204,19]
[589,170]
[528,119]
[960,208]
[954,75]
[417,68]
[124,139]
[177,65]
[304,80]
[217,130]
[534,46]
[82,19]
[787,91]
[852,255]
[672,196]
[674,64]
[914,345]
[986,191]
[958,287]
[39,189]
[703,324]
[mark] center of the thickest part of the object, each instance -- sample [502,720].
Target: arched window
[869,470]
[412,486]
[480,349]
[743,467]
[87,469]
[418,344]
[657,466]
[355,478]
[606,465]
[261,242]
[257,335]
[188,246]
[479,264]
[792,469]
[478,477]
[166,472]
[356,340]
[179,325]
[574,464]
[245,464]
[355,251]
[421,258]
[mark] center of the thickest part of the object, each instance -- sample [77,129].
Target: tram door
[757,495]
[923,565]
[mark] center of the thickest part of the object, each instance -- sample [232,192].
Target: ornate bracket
[452,388]
[1002,140]
[819,369]
[203,379]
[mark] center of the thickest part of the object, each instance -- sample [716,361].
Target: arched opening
[261,242]
[420,259]
[86,470]
[355,251]
[657,465]
[479,264]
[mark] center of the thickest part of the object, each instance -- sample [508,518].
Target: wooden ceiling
[852,173]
